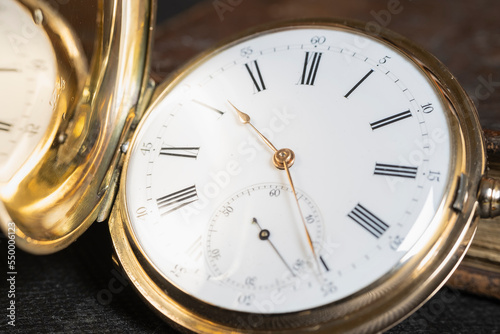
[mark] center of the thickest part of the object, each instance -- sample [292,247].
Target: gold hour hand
[245,119]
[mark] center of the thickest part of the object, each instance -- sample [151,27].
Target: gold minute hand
[283,159]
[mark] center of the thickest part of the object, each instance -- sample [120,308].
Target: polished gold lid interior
[102,49]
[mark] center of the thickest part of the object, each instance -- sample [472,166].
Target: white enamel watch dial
[27,74]
[372,155]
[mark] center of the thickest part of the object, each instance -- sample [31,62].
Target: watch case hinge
[110,183]
[144,101]
[461,194]
[109,186]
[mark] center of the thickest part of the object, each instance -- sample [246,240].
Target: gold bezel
[373,308]
[64,187]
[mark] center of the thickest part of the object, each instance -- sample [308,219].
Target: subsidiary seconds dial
[261,237]
[369,144]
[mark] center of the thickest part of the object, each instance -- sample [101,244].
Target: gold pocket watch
[304,176]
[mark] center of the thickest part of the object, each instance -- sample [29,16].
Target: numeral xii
[311,64]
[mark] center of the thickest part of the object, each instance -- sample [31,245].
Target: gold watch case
[378,306]
[72,179]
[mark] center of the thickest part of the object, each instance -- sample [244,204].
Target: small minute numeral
[5,126]
[359,83]
[141,212]
[177,200]
[255,75]
[310,68]
[391,119]
[368,221]
[394,170]
[184,152]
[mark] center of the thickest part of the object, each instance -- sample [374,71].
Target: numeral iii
[393,170]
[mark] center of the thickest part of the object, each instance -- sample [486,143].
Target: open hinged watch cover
[68,179]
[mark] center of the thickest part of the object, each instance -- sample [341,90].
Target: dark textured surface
[60,292]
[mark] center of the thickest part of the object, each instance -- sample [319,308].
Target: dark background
[63,292]
[170,8]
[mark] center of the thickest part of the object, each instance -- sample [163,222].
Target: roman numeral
[393,170]
[177,200]
[359,83]
[310,69]
[256,77]
[5,126]
[184,152]
[390,119]
[368,221]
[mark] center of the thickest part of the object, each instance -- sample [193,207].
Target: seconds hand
[283,159]
[264,235]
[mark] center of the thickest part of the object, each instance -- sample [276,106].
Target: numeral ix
[177,200]
[185,152]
